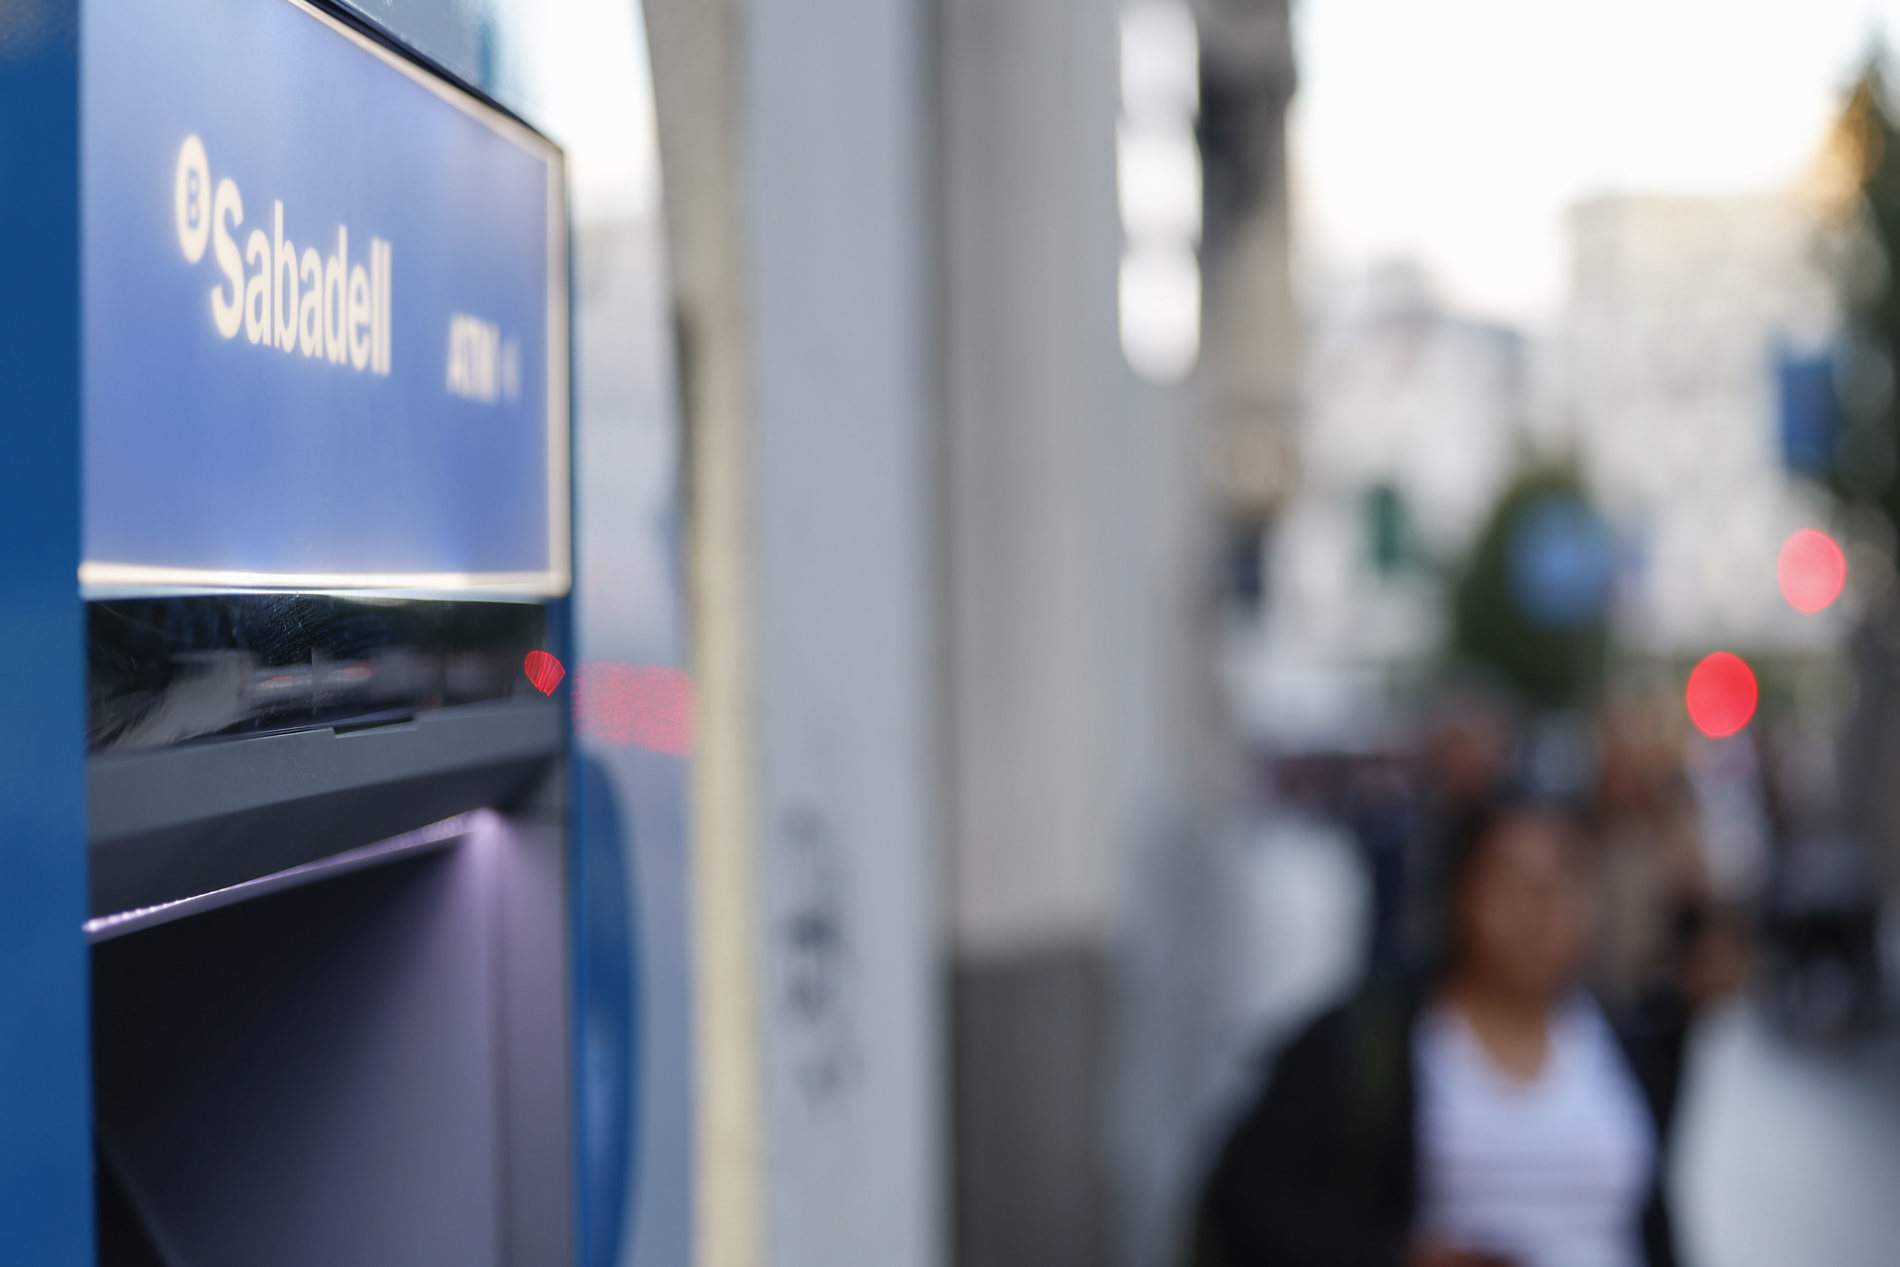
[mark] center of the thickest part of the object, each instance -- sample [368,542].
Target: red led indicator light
[543,670]
[1721,695]
[1812,570]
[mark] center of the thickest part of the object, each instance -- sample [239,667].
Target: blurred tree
[1531,605]
[1860,168]
[1861,155]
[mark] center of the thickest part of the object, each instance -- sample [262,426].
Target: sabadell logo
[302,302]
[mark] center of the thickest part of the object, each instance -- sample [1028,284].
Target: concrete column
[795,140]
[1066,502]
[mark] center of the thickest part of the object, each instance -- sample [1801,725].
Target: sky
[1456,132]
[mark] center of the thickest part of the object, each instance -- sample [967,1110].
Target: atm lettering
[474,360]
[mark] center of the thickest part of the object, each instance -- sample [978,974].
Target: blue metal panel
[606,986]
[46,1212]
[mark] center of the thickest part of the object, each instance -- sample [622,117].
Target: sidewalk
[1789,1154]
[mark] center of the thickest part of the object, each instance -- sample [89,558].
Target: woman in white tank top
[1497,1120]
[1535,1145]
[1546,1170]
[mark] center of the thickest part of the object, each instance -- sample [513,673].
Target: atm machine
[289,954]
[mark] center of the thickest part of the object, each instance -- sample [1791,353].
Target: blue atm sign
[325,313]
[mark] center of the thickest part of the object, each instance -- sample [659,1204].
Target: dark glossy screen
[166,671]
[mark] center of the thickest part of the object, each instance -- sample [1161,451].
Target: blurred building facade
[1678,310]
[1414,420]
[1661,380]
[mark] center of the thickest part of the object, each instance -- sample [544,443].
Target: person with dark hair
[1495,1118]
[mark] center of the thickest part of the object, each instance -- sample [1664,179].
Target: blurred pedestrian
[1657,907]
[1493,1118]
[1470,749]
